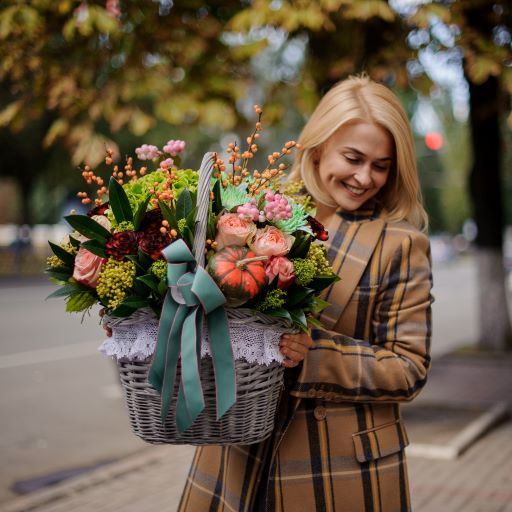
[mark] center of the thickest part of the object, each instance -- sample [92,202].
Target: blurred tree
[347,36]
[482,29]
[75,71]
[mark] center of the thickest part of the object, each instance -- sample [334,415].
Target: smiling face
[354,163]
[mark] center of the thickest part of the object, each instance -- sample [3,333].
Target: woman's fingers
[294,347]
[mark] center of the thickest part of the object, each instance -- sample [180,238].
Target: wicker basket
[250,419]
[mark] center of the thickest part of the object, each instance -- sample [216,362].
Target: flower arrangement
[261,247]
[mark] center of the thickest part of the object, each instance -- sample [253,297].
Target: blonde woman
[339,439]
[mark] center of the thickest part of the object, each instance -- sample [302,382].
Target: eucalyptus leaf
[62,254]
[95,247]
[88,227]
[184,204]
[139,214]
[119,203]
[217,198]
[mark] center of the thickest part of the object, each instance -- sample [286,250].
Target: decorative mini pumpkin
[239,273]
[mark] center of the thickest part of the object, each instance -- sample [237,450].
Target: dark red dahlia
[152,220]
[318,229]
[151,239]
[120,245]
[152,242]
[99,210]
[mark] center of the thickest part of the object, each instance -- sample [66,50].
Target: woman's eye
[381,167]
[351,160]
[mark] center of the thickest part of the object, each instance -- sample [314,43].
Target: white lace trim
[135,340]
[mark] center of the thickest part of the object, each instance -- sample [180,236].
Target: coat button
[311,393]
[320,413]
[329,395]
[320,393]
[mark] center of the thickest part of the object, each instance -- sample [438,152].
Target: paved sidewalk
[480,480]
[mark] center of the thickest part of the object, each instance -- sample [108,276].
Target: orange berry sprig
[252,147]
[269,173]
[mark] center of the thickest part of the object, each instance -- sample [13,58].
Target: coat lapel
[349,252]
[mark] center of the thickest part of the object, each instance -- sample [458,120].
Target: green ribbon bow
[192,295]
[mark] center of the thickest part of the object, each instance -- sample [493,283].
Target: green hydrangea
[138,190]
[159,269]
[116,278]
[125,226]
[274,299]
[305,271]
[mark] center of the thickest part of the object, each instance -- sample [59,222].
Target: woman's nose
[363,176]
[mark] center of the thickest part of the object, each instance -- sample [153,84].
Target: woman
[339,439]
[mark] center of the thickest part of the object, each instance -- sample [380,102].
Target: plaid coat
[339,440]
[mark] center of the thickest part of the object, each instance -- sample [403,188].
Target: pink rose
[232,230]
[282,268]
[87,267]
[271,241]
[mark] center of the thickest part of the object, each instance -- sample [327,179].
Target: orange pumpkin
[239,273]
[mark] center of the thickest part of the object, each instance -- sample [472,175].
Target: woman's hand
[294,348]
[108,330]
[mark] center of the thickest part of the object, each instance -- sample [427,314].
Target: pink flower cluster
[147,152]
[282,268]
[277,207]
[165,164]
[112,6]
[249,211]
[174,147]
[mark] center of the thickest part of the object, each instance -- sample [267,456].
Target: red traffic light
[434,141]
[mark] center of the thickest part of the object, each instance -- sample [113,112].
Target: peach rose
[271,241]
[232,230]
[87,267]
[282,268]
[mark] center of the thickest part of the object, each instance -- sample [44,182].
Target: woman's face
[354,163]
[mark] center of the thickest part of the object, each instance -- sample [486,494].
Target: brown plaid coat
[339,440]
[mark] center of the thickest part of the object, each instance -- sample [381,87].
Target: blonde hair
[360,98]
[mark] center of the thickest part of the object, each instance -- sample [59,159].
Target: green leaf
[279,313]
[321,282]
[168,215]
[135,302]
[119,203]
[80,301]
[144,260]
[301,245]
[217,198]
[162,288]
[62,254]
[63,291]
[122,311]
[318,305]
[299,319]
[95,247]
[184,204]
[149,280]
[297,295]
[60,273]
[139,214]
[74,242]
[88,227]
[314,321]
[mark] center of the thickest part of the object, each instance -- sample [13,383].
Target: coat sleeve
[393,365]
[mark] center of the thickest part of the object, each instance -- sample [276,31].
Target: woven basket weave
[250,419]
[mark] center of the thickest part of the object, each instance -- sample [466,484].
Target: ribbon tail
[171,360]
[192,402]
[157,370]
[223,361]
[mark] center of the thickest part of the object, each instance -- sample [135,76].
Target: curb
[73,485]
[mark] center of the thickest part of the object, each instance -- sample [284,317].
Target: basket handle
[203,201]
